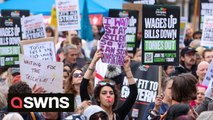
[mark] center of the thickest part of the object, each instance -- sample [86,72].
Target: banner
[113,42]
[10,36]
[15,13]
[160,35]
[183,22]
[132,29]
[68,15]
[207,33]
[147,82]
[33,27]
[47,74]
[42,49]
[206,9]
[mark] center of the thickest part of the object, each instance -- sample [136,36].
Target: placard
[183,22]
[207,33]
[209,75]
[10,36]
[113,42]
[15,13]
[47,74]
[131,32]
[138,7]
[33,27]
[160,38]
[68,15]
[42,49]
[146,78]
[206,9]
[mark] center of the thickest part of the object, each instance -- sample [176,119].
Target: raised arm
[126,107]
[83,88]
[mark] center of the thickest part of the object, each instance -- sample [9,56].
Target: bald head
[202,69]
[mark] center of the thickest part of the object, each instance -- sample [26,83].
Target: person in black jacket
[187,62]
[105,93]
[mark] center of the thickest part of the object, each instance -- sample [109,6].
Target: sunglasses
[103,83]
[101,115]
[75,75]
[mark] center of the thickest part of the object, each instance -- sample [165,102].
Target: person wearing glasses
[72,85]
[105,93]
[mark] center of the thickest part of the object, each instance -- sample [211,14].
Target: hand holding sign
[97,56]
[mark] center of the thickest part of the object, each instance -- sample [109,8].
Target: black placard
[160,38]
[132,29]
[15,13]
[10,36]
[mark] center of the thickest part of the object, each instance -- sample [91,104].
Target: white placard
[183,22]
[209,75]
[207,33]
[68,15]
[33,27]
[47,74]
[42,49]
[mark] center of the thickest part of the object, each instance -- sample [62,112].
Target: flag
[86,29]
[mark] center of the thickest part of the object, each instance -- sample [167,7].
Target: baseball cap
[187,50]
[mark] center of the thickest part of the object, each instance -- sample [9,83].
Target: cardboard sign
[10,36]
[46,74]
[160,35]
[183,22]
[131,32]
[206,9]
[207,33]
[68,15]
[138,7]
[15,13]
[42,49]
[33,27]
[113,42]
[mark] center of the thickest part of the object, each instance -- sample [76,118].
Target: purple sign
[113,42]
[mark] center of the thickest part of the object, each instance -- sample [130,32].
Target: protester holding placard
[162,102]
[105,93]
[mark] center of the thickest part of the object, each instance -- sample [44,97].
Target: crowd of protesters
[182,96]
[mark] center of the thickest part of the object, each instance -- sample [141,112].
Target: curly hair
[97,92]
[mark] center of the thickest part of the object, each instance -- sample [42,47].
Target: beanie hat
[91,110]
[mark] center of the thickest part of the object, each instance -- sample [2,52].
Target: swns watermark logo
[40,103]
